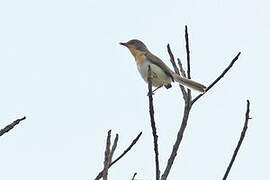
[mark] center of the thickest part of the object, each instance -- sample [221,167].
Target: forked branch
[100,174]
[188,101]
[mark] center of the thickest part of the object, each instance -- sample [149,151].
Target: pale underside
[159,77]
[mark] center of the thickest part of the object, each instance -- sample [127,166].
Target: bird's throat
[138,55]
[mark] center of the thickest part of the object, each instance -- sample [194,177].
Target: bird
[161,75]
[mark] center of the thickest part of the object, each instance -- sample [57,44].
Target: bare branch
[243,133]
[172,60]
[219,77]
[133,178]
[153,124]
[182,71]
[188,106]
[107,156]
[185,116]
[128,148]
[100,174]
[188,63]
[177,71]
[188,53]
[113,148]
[11,126]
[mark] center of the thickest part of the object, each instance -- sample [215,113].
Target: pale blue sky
[61,66]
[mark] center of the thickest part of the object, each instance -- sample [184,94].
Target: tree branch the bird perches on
[153,124]
[187,108]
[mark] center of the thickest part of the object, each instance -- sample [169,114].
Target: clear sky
[61,66]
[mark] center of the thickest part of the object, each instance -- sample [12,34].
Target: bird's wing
[155,60]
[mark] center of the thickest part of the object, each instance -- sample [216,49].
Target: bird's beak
[123,44]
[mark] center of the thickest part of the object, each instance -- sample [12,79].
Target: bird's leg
[155,90]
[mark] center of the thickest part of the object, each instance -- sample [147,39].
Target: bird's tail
[189,83]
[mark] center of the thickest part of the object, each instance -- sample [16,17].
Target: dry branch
[218,78]
[188,65]
[107,156]
[113,148]
[183,73]
[243,133]
[188,104]
[188,53]
[11,126]
[133,178]
[128,148]
[177,71]
[153,124]
[100,174]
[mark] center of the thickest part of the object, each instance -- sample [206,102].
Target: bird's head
[135,46]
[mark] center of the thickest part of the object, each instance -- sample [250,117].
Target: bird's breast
[138,55]
[159,77]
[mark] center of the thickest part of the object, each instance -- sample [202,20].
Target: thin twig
[122,155]
[172,59]
[176,70]
[185,116]
[134,176]
[188,63]
[153,124]
[113,148]
[11,126]
[243,133]
[182,71]
[219,77]
[107,156]
[128,148]
[188,52]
